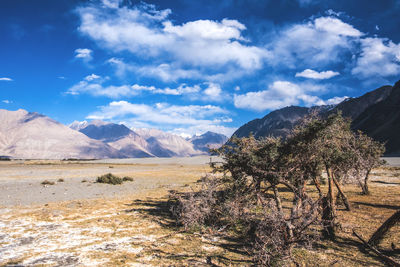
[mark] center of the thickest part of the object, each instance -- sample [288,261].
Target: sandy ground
[393,161]
[20,181]
[75,223]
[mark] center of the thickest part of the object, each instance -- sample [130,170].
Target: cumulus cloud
[312,74]
[6,79]
[379,57]
[84,54]
[279,94]
[6,101]
[188,119]
[318,42]
[148,33]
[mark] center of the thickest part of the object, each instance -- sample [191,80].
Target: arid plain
[77,222]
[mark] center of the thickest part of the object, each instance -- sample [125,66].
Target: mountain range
[30,135]
[376,113]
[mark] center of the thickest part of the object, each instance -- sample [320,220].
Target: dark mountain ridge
[377,113]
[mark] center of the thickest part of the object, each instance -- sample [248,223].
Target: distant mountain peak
[35,136]
[208,140]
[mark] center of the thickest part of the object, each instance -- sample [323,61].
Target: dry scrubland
[84,223]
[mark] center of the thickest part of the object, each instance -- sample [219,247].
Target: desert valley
[199,133]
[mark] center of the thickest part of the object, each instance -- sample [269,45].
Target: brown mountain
[34,136]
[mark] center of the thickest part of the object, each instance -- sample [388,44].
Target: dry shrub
[276,233]
[127,179]
[193,210]
[47,182]
[109,178]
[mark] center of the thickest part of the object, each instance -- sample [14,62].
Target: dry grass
[137,230]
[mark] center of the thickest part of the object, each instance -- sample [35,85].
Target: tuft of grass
[127,179]
[84,181]
[109,178]
[47,182]
[61,180]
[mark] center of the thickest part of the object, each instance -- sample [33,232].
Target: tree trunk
[318,186]
[343,196]
[331,193]
[384,228]
[365,189]
[328,210]
[295,206]
[328,230]
[277,198]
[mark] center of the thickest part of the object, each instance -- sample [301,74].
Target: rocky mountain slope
[118,136]
[382,121]
[376,113]
[166,144]
[148,142]
[278,122]
[35,136]
[208,140]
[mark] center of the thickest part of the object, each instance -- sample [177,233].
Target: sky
[188,67]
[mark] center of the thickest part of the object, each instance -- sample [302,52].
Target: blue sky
[191,66]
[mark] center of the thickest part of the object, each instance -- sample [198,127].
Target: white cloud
[379,57]
[319,42]
[6,101]
[213,92]
[147,33]
[6,79]
[94,85]
[92,77]
[335,100]
[279,94]
[336,26]
[312,74]
[167,72]
[180,90]
[84,53]
[179,119]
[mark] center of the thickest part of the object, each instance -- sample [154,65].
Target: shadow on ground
[158,211]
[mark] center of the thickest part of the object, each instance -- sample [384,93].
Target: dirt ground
[75,223]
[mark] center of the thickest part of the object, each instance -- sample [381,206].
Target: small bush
[84,181]
[194,210]
[109,178]
[127,179]
[60,180]
[47,182]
